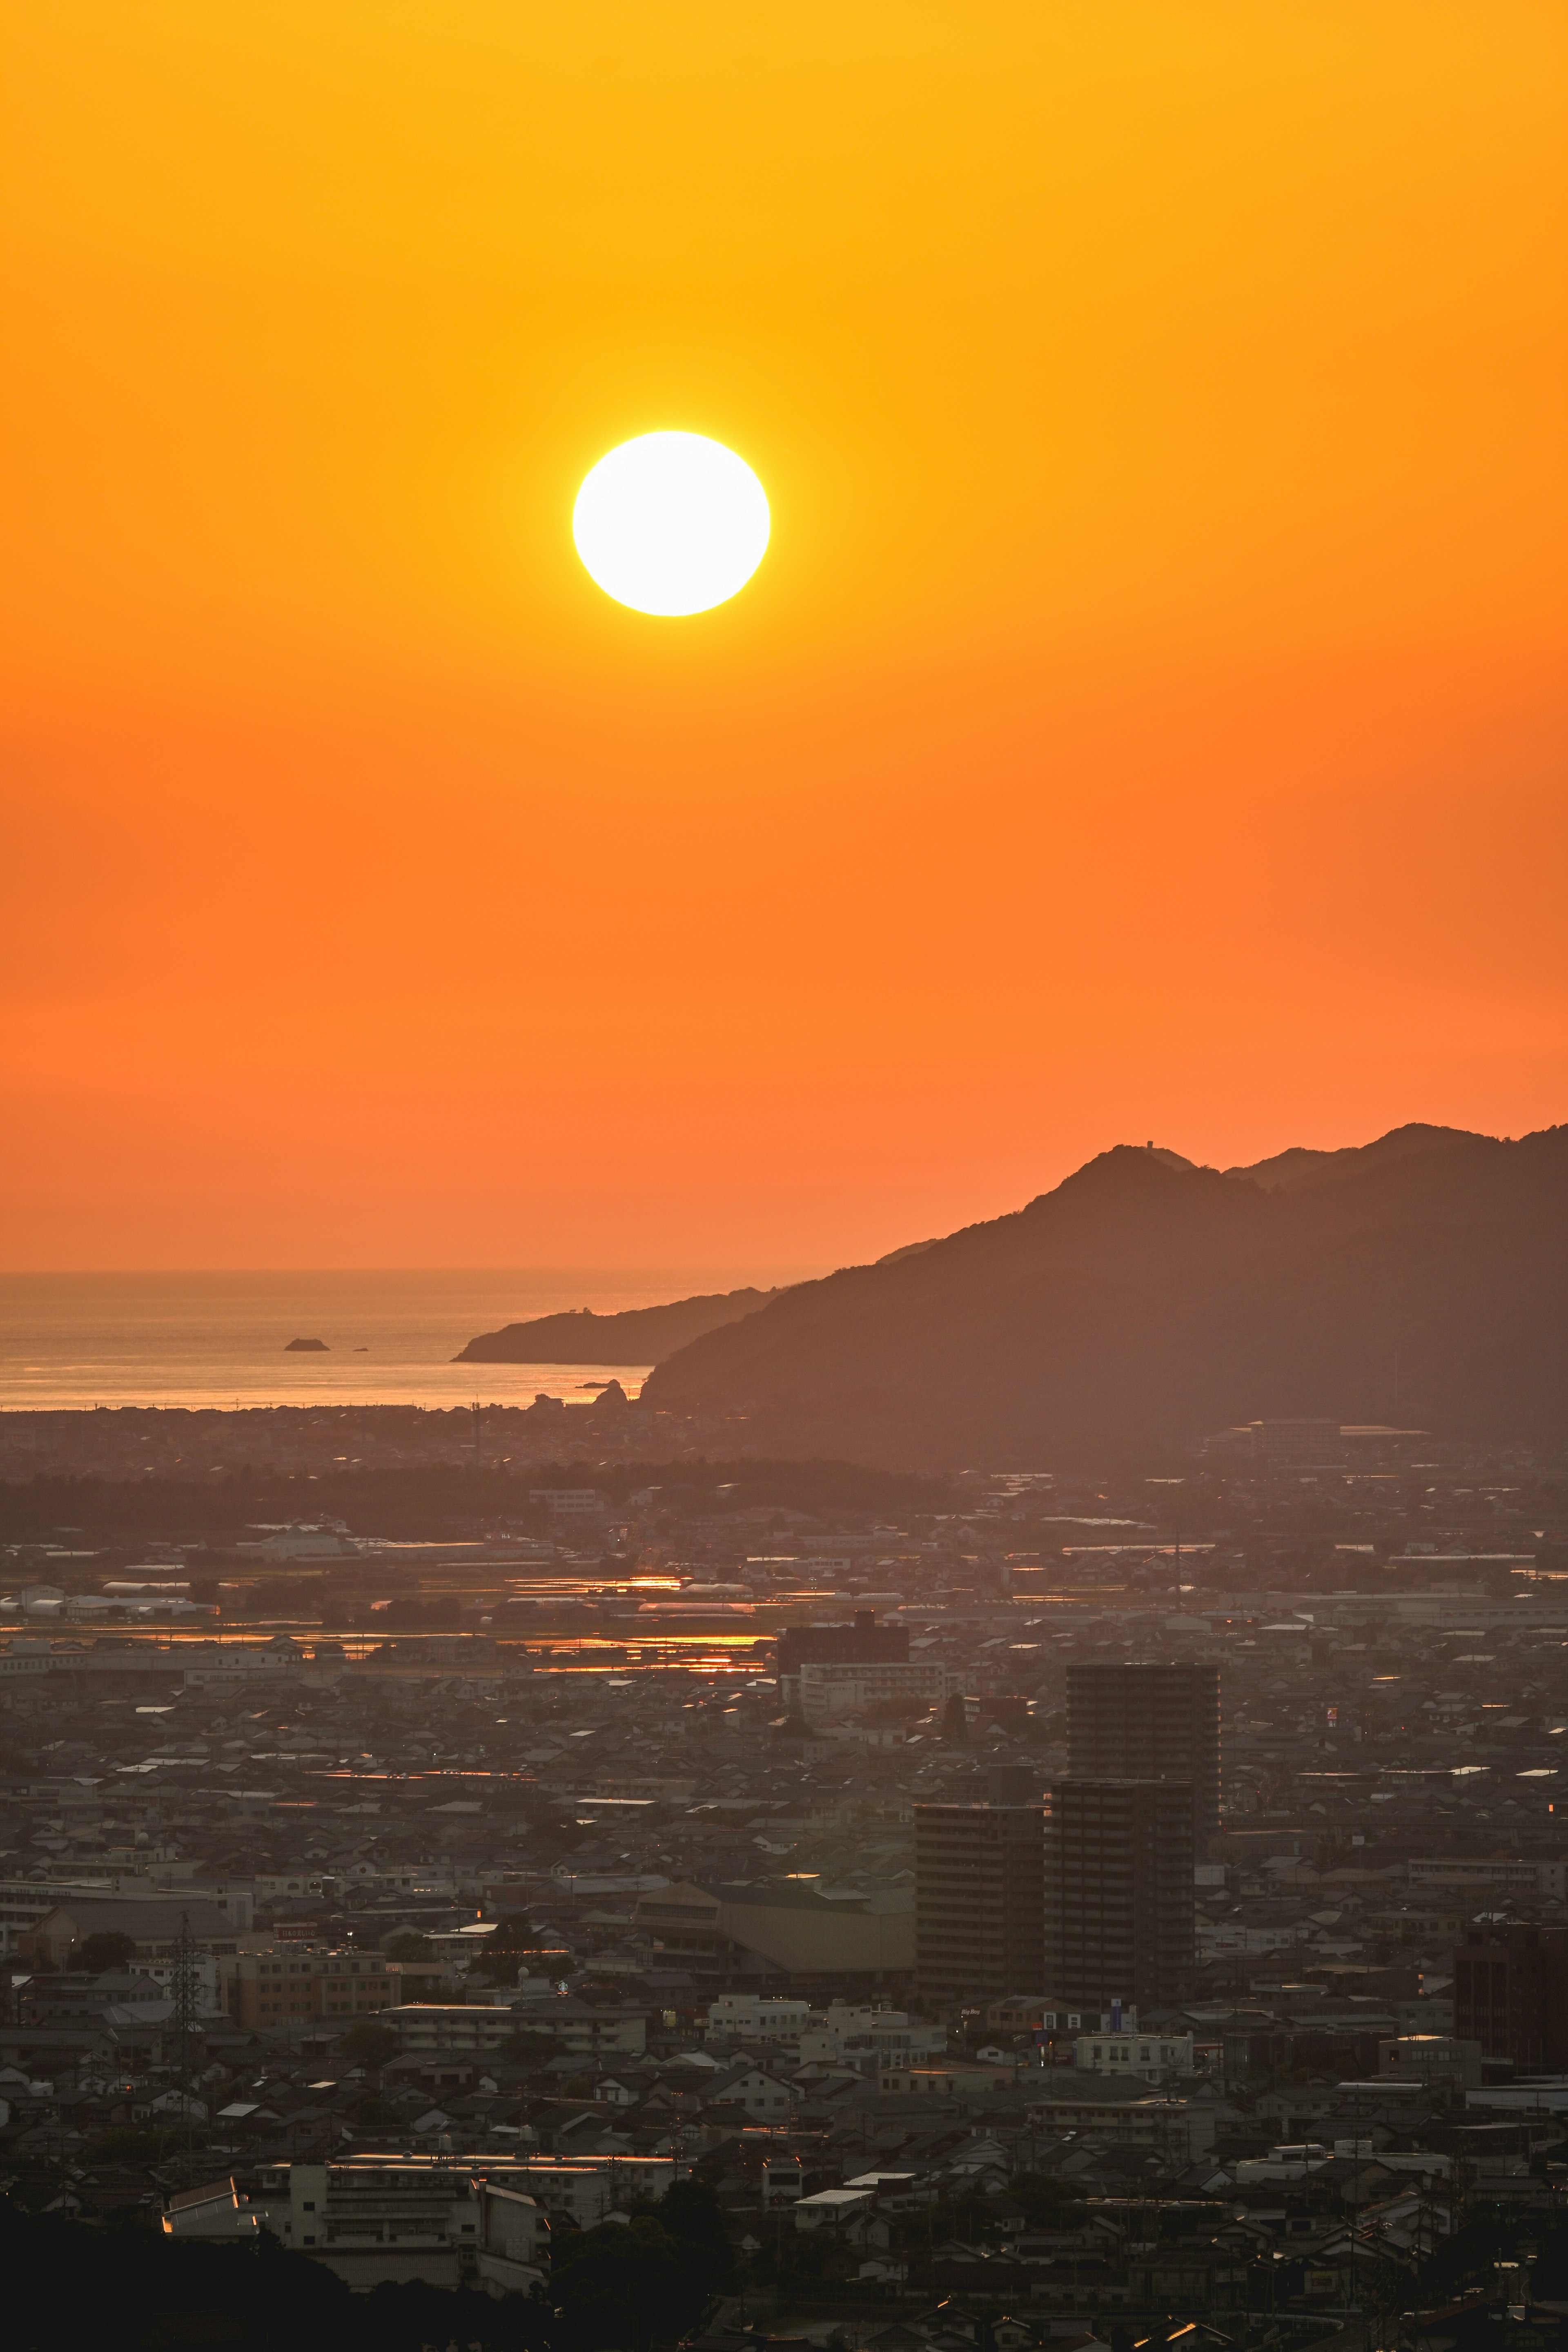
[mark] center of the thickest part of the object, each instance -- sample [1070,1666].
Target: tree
[408,1946]
[1468,2256]
[694,2218]
[68,2284]
[955,1719]
[1042,2196]
[517,1933]
[525,2049]
[368,2044]
[1549,2281]
[623,2282]
[108,1949]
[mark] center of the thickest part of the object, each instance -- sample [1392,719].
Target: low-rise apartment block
[284,1982]
[453,2029]
[373,2219]
[1131,2056]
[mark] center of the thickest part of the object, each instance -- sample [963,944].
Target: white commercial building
[448,2220]
[1146,2056]
[750,2017]
[822,1690]
[585,2189]
[857,2034]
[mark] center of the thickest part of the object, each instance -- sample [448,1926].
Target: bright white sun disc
[671,523]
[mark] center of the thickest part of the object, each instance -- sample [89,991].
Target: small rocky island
[307,1348]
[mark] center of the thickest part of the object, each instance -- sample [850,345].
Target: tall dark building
[980,1895]
[1149,1723]
[1510,1994]
[1119,1906]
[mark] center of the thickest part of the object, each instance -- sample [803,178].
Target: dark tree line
[75,2286]
[434,1501]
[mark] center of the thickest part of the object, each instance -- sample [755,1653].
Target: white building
[833,2209]
[765,2097]
[1148,2057]
[750,2017]
[823,1689]
[448,2220]
[859,2034]
[585,2189]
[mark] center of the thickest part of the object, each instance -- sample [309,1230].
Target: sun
[671,523]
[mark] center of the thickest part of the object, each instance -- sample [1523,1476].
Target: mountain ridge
[1145,1299]
[1299,1165]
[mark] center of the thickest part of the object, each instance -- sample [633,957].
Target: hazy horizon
[215,1337]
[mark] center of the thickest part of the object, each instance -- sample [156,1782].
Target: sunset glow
[1147,720]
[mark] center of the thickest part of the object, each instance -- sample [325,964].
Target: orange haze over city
[1147,720]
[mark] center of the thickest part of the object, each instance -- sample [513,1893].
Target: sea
[214,1339]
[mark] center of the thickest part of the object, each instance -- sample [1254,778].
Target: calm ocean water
[219,1339]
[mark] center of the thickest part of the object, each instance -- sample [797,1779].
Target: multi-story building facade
[585,2189]
[859,2034]
[438,2029]
[286,1983]
[754,2017]
[1149,1723]
[979,1901]
[1132,2056]
[1119,1901]
[375,2220]
[1546,1881]
[823,1690]
[1510,1994]
[861,1642]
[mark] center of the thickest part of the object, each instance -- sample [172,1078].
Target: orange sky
[1148,719]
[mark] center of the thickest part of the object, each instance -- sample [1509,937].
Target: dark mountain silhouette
[1422,1279]
[639,1335]
[1287,1170]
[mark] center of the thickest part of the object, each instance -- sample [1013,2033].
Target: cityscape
[784,1183]
[1036,1907]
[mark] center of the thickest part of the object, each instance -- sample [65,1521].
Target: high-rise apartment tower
[1149,1723]
[980,1895]
[1119,1904]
